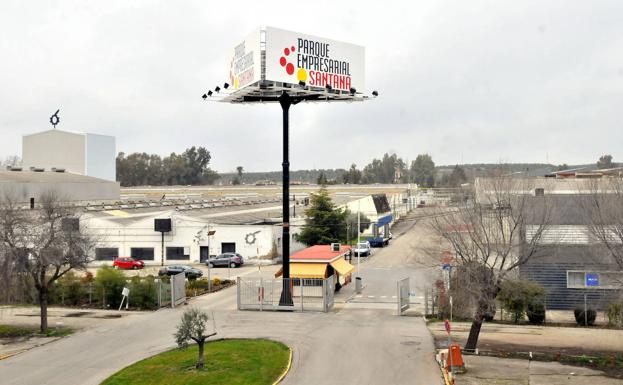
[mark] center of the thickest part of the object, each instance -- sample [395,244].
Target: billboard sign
[292,57]
[245,62]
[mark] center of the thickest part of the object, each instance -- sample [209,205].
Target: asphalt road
[356,343]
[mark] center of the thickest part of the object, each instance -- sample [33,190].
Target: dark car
[226,259]
[191,272]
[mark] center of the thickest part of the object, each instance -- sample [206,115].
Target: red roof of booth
[320,253]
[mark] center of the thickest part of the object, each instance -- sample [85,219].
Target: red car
[128,263]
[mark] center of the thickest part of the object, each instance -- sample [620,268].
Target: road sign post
[446,324]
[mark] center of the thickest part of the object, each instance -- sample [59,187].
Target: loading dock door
[203,253]
[228,247]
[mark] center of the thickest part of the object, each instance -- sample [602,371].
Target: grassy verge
[12,331]
[231,362]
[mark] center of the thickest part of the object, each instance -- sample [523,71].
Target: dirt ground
[545,342]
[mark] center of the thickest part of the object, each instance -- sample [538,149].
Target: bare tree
[604,215]
[494,232]
[193,327]
[43,244]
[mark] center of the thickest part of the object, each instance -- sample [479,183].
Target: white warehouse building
[79,153]
[119,233]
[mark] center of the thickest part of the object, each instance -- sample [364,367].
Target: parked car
[128,263]
[226,259]
[363,249]
[191,272]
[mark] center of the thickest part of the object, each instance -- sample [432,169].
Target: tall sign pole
[286,295]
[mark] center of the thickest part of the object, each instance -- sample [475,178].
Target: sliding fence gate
[403,295]
[178,289]
[265,294]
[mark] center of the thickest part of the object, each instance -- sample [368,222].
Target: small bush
[216,282]
[536,313]
[591,315]
[109,284]
[516,295]
[68,290]
[615,314]
[143,293]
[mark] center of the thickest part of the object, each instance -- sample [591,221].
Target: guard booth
[321,262]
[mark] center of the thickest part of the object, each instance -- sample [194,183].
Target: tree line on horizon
[192,168]
[187,168]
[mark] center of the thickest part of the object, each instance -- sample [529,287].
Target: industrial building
[194,234]
[74,152]
[28,185]
[570,264]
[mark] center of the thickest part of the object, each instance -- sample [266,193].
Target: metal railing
[266,294]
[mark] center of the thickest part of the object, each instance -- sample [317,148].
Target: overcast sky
[477,81]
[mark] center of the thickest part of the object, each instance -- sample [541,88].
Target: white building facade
[118,233]
[80,153]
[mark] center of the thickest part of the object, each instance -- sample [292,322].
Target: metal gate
[178,289]
[265,294]
[403,295]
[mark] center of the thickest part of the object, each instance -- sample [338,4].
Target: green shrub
[536,312]
[68,290]
[516,295]
[143,292]
[589,320]
[109,284]
[615,314]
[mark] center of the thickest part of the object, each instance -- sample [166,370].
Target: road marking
[393,296]
[383,296]
[358,296]
[370,296]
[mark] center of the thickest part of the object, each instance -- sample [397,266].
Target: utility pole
[358,236]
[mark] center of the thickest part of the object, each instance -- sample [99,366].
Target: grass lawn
[12,331]
[227,362]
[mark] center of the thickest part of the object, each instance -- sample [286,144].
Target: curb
[287,369]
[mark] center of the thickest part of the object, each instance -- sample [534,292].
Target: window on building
[596,280]
[144,253]
[176,253]
[228,247]
[106,253]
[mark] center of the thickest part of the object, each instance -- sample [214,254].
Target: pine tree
[325,223]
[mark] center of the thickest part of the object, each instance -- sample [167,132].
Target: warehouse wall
[55,148]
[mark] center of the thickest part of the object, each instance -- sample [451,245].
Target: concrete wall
[101,156]
[55,148]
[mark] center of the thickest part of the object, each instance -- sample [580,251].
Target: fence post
[261,294]
[90,290]
[238,291]
[159,293]
[425,303]
[324,295]
[301,282]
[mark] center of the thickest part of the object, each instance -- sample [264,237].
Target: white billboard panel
[292,57]
[245,62]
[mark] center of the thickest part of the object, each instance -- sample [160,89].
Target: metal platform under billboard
[309,68]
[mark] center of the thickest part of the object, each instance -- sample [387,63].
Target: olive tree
[491,234]
[42,244]
[193,327]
